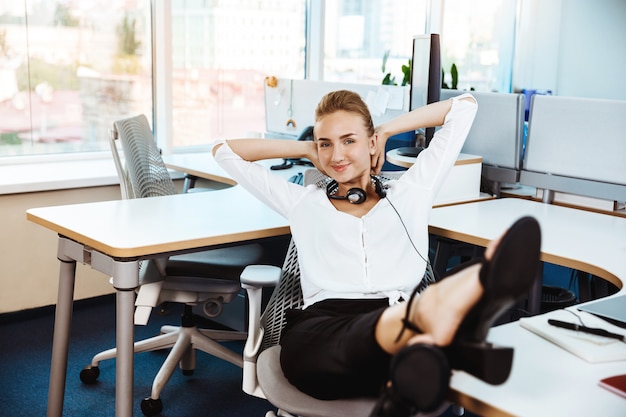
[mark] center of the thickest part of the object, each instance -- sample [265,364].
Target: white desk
[545,379]
[408,161]
[113,236]
[203,165]
[462,184]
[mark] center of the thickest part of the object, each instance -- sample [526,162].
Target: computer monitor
[425,80]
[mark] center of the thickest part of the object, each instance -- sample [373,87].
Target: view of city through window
[360,34]
[70,68]
[221,53]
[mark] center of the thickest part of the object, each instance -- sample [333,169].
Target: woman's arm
[258,149]
[431,115]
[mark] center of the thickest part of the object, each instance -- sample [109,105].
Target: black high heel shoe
[505,278]
[419,379]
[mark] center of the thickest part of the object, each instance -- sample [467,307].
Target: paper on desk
[592,348]
[377,101]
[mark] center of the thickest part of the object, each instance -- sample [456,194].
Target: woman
[362,248]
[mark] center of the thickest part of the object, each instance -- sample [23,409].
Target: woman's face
[344,147]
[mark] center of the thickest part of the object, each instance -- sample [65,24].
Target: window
[221,53]
[68,69]
[359,33]
[479,38]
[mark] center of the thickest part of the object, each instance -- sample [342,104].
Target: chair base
[183,341]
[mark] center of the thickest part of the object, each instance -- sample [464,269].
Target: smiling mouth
[340,168]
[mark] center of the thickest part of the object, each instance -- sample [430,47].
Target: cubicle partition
[576,146]
[497,134]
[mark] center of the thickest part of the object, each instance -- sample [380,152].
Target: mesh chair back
[147,171]
[122,172]
[287,294]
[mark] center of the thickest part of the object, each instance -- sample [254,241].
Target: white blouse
[343,256]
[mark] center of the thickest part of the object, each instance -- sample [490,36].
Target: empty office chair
[262,373]
[209,278]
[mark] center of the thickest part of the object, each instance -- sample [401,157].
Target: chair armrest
[260,276]
[253,278]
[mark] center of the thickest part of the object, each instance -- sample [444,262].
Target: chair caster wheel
[89,374]
[150,407]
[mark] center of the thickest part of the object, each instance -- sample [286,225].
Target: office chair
[208,279]
[262,374]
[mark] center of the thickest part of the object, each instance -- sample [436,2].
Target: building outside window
[221,53]
[68,69]
[479,38]
[358,35]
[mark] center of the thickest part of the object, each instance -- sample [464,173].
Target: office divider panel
[496,134]
[578,146]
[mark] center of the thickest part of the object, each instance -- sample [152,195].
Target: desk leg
[60,342]
[534,297]
[125,281]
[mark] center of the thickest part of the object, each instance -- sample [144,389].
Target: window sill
[59,175]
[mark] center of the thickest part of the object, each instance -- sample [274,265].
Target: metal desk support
[125,273]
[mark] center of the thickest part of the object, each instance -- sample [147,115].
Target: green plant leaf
[455,76]
[385,58]
[389,80]
[406,71]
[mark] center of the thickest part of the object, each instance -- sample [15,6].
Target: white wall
[572,47]
[592,57]
[28,252]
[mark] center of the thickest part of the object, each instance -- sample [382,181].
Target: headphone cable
[430,274]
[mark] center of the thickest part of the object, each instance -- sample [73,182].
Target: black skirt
[329,350]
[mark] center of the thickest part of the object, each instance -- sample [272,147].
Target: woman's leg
[441,308]
[448,323]
[329,350]
[439,311]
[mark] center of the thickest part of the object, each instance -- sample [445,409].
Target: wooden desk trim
[475,405]
[138,245]
[481,197]
[203,165]
[155,250]
[546,257]
[578,264]
[200,174]
[617,213]
[407,161]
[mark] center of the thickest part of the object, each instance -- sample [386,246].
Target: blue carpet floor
[213,390]
[25,351]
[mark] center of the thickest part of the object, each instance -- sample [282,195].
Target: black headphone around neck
[355,195]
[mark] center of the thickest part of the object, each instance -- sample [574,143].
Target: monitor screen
[425,73]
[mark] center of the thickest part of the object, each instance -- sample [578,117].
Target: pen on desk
[585,329]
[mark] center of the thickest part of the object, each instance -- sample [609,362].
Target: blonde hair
[347,101]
